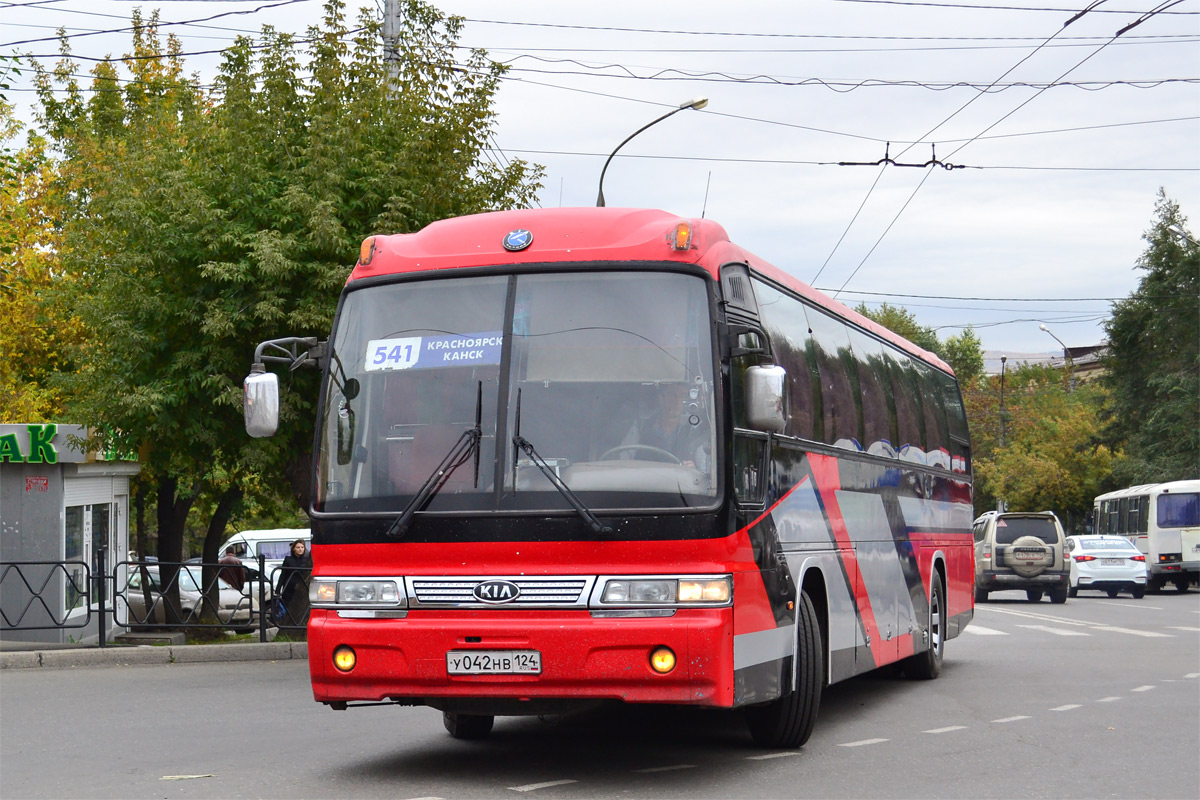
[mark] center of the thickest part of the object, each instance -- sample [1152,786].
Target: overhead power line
[979,7]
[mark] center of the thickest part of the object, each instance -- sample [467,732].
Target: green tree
[200,222]
[1153,361]
[1050,455]
[36,333]
[964,353]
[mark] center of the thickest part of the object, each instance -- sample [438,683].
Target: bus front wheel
[789,721]
[468,726]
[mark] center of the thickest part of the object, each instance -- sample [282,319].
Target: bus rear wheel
[927,665]
[468,726]
[788,721]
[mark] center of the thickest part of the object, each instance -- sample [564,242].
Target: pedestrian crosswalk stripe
[1132,632]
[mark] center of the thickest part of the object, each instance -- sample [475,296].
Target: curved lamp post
[697,103]
[1066,357]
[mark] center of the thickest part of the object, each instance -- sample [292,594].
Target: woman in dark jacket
[293,578]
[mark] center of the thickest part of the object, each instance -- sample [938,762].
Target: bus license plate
[494,662]
[1112,562]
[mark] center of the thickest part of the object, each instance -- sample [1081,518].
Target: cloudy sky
[1060,136]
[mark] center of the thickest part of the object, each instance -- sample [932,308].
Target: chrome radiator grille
[535,591]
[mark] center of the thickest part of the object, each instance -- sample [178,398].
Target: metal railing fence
[149,596]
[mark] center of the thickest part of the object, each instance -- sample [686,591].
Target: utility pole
[391,37]
[1003,422]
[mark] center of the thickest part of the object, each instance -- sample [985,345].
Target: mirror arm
[734,331]
[287,351]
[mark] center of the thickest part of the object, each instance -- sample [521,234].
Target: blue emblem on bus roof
[518,240]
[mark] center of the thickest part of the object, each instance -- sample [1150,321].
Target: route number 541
[387,354]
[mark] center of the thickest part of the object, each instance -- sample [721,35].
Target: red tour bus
[569,456]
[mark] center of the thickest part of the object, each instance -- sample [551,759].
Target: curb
[145,654]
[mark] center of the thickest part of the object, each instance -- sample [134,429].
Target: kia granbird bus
[574,456]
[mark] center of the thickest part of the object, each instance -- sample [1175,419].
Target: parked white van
[273,545]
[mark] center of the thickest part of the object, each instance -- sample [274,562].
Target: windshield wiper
[467,444]
[525,445]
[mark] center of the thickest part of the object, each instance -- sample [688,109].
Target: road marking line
[533,787]
[947,729]
[772,755]
[1042,617]
[1055,631]
[1012,719]
[861,743]
[1067,707]
[648,770]
[1181,628]
[427,798]
[1131,632]
[1192,675]
[1133,605]
[982,631]
[1109,699]
[1143,688]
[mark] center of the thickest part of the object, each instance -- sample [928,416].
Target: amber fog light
[344,658]
[662,660]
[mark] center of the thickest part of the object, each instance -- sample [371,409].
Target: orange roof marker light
[681,237]
[367,251]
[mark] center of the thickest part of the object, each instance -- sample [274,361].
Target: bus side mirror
[260,402]
[764,398]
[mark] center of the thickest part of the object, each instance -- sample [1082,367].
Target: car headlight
[666,591]
[356,592]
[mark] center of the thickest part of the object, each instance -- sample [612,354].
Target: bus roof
[1151,488]
[562,235]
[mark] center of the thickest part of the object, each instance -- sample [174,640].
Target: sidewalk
[25,655]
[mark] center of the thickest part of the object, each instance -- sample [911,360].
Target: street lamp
[697,103]
[1066,357]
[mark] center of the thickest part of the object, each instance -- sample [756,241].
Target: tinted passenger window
[787,326]
[909,422]
[937,440]
[874,385]
[835,360]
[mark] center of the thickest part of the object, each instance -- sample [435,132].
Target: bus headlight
[711,591]
[356,593]
[665,591]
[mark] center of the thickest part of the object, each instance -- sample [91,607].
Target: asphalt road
[1096,698]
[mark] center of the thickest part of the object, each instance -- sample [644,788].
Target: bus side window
[956,421]
[879,417]
[831,346]
[1143,521]
[787,326]
[937,442]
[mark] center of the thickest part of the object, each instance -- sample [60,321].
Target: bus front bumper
[583,658]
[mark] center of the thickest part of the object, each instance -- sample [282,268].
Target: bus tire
[927,665]
[1181,584]
[468,726]
[788,721]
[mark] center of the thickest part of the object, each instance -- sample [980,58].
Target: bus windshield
[607,377]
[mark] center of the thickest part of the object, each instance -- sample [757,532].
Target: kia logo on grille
[497,592]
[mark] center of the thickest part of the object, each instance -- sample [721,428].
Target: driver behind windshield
[670,422]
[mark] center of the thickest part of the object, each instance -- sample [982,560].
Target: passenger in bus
[670,422]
